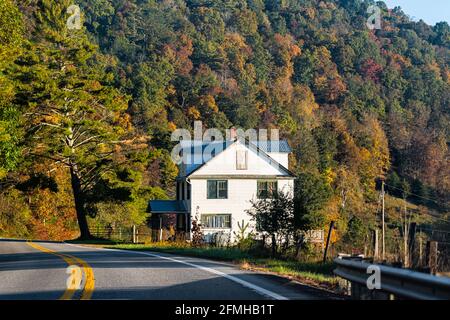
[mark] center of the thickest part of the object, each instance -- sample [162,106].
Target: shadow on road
[119,267]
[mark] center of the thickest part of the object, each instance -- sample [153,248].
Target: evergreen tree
[75,118]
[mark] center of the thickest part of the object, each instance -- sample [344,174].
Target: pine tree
[75,118]
[11,38]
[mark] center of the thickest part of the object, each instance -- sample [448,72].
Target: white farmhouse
[217,181]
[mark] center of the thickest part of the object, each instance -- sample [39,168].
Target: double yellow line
[89,283]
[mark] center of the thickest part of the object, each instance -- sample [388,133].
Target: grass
[316,274]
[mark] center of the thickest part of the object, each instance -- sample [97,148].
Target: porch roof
[167,206]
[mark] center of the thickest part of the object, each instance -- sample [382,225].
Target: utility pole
[383,254]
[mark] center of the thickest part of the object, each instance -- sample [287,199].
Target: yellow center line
[89,284]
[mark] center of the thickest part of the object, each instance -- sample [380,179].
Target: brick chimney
[233,133]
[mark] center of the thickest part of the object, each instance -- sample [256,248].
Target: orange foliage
[172,126]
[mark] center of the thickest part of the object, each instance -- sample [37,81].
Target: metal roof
[193,148]
[274,146]
[167,206]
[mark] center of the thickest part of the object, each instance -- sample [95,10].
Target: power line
[432,230]
[426,213]
[416,195]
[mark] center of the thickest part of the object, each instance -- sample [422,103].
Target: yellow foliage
[331,212]
[447,75]
[172,126]
[95,85]
[209,103]
[194,113]
[310,12]
[434,67]
[329,175]
[171,90]
[124,120]
[52,119]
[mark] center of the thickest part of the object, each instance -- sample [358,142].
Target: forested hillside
[86,115]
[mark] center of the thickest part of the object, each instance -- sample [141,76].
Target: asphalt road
[38,270]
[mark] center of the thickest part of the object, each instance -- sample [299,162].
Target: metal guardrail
[401,283]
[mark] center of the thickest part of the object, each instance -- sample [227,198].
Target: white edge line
[244,283]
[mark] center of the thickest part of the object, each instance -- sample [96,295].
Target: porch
[169,221]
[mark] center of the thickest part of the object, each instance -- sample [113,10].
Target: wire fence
[421,248]
[137,234]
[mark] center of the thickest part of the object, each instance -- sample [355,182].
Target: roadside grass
[315,274]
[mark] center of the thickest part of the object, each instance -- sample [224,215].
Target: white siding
[240,192]
[242,184]
[281,157]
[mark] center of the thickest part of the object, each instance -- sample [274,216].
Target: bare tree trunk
[274,245]
[79,204]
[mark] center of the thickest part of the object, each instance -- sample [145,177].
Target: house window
[217,189]
[241,159]
[267,189]
[216,221]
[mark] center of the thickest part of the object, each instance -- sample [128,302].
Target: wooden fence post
[328,241]
[432,255]
[420,251]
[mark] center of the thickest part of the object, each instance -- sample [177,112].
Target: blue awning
[167,206]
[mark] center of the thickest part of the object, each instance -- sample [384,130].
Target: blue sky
[430,11]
